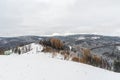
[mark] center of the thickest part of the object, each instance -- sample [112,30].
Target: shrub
[56,43]
[76,59]
[1,52]
[86,55]
[47,49]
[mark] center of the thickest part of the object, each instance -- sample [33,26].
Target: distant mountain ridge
[6,42]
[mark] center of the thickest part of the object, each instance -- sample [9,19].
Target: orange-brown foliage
[96,59]
[58,44]
[86,55]
[85,52]
[82,60]
[47,49]
[76,59]
[1,52]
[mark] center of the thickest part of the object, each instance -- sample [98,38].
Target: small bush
[56,43]
[76,59]
[1,52]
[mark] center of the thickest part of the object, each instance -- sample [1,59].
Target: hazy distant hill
[97,43]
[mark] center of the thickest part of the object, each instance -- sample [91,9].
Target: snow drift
[35,65]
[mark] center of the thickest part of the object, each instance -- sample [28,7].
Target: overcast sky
[38,17]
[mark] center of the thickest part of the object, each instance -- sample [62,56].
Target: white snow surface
[95,37]
[40,66]
[118,47]
[81,38]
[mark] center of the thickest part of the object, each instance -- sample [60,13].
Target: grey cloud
[36,17]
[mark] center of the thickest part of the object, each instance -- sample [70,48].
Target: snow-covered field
[40,66]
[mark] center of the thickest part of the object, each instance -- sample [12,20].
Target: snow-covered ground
[40,66]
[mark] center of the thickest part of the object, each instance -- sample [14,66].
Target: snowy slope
[39,66]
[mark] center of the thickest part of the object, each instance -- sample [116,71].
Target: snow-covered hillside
[40,66]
